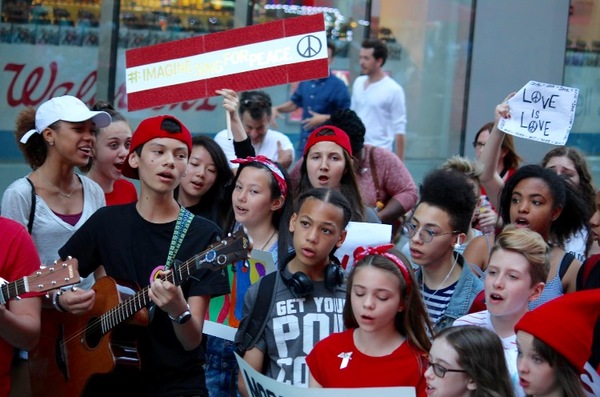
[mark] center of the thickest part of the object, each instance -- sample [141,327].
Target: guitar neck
[11,290]
[46,278]
[180,273]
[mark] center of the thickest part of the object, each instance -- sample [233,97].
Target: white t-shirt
[268,147]
[382,109]
[482,319]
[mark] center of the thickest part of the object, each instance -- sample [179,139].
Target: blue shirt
[323,96]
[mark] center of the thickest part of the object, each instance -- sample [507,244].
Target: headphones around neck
[302,286]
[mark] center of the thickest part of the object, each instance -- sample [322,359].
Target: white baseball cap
[65,108]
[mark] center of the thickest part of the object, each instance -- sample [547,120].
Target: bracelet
[56,302]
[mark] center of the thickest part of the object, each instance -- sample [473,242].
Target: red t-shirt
[124,192]
[404,367]
[18,258]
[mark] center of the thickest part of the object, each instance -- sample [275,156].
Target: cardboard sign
[362,234]
[225,312]
[541,112]
[257,56]
[259,385]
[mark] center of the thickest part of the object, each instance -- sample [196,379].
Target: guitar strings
[97,323]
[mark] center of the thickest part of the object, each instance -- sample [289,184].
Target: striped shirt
[437,301]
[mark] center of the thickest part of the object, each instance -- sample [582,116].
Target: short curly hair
[452,192]
[36,148]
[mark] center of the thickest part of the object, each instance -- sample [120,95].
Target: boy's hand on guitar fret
[167,296]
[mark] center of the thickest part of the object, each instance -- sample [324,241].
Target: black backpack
[253,324]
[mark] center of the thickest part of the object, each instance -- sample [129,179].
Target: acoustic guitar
[74,348]
[44,279]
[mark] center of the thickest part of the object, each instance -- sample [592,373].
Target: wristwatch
[183,317]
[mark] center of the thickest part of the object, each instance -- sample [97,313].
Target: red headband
[361,252]
[277,174]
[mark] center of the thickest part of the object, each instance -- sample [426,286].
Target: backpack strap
[32,210]
[253,324]
[564,264]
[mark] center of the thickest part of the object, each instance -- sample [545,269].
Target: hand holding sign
[231,103]
[541,112]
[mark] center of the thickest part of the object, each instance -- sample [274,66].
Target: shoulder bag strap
[32,210]
[371,153]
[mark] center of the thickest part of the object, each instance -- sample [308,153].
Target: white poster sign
[541,112]
[259,385]
[362,234]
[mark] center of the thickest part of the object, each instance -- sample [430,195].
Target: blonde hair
[529,244]
[463,165]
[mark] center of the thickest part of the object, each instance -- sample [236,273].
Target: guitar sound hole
[93,333]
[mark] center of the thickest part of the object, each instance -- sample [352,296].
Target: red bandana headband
[361,252]
[277,174]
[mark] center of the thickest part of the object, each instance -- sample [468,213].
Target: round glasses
[440,370]
[426,235]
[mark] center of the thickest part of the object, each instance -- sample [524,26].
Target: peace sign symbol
[309,46]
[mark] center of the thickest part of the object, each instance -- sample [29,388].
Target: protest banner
[541,112]
[259,385]
[225,312]
[362,234]
[257,56]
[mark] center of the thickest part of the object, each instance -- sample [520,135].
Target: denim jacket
[467,288]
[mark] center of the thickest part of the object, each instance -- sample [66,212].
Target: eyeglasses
[440,370]
[478,145]
[426,235]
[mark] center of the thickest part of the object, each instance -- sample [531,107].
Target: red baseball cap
[149,129]
[334,134]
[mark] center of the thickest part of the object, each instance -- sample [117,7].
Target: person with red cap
[554,345]
[327,163]
[135,240]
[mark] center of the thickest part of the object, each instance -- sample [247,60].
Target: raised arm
[241,141]
[490,178]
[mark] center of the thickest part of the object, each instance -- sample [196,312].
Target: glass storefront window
[582,70]
[53,49]
[430,50]
[69,23]
[150,22]
[428,44]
